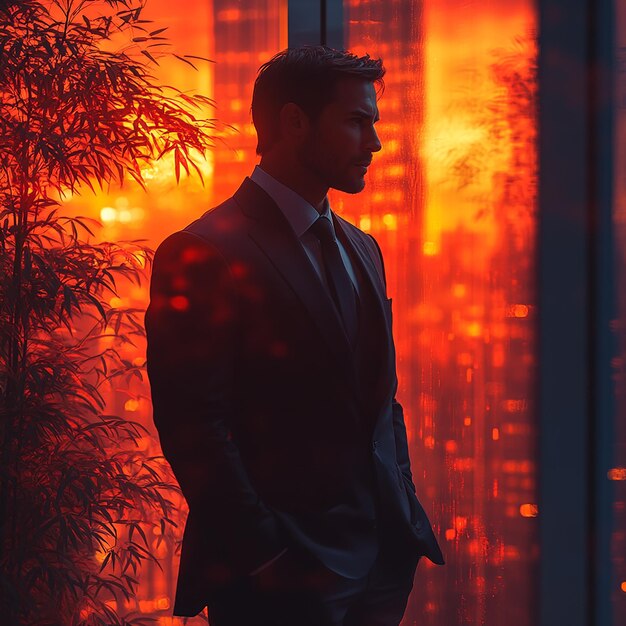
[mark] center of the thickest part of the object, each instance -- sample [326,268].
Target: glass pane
[451,200]
[618,473]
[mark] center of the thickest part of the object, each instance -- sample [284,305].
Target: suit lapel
[369,274]
[360,251]
[273,234]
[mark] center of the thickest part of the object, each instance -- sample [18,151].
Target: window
[505,259]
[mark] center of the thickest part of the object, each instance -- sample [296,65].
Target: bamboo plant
[79,109]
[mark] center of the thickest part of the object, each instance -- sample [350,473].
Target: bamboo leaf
[187,61]
[146,53]
[177,159]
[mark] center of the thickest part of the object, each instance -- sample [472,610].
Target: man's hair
[306,76]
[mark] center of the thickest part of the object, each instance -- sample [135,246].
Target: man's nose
[374,144]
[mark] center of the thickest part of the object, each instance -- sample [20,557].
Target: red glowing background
[451,199]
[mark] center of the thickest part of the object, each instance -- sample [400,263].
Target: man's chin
[352,186]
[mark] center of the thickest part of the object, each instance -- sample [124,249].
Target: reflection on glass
[451,200]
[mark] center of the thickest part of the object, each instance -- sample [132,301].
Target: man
[272,369]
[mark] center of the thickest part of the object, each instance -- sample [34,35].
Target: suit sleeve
[399,427]
[191,326]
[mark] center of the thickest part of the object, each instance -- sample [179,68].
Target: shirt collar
[299,213]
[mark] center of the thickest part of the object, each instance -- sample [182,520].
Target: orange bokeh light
[131,405]
[163,603]
[529,510]
[520,310]
[617,473]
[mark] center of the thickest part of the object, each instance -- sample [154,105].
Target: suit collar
[299,213]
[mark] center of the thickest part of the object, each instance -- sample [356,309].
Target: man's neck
[297,180]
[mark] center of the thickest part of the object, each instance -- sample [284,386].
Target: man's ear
[294,122]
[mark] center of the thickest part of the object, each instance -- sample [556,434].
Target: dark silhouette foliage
[78,107]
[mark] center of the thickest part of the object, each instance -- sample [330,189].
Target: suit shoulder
[183,244]
[201,246]
[218,223]
[183,263]
[207,236]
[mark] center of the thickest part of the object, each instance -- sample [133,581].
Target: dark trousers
[297,590]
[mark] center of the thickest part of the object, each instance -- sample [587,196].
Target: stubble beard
[311,160]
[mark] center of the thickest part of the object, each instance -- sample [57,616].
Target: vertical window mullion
[313,22]
[565,300]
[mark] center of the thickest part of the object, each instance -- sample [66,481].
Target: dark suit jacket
[258,405]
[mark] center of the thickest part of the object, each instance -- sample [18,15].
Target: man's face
[339,146]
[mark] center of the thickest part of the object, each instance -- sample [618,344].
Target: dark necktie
[339,282]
